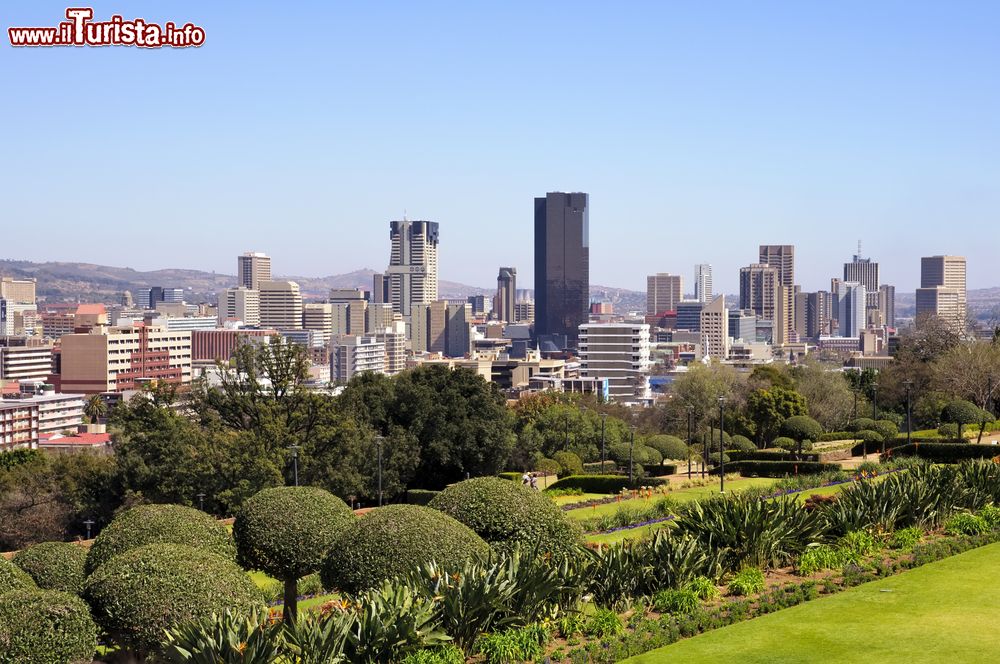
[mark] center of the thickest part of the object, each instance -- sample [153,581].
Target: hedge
[513,477]
[605,483]
[948,452]
[762,455]
[142,592]
[167,524]
[392,541]
[836,435]
[45,627]
[506,514]
[779,468]
[54,565]
[660,470]
[424,496]
[13,577]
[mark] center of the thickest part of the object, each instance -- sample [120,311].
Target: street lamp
[875,410]
[722,456]
[566,429]
[704,459]
[88,523]
[201,501]
[295,462]
[631,448]
[908,383]
[689,442]
[604,419]
[378,444]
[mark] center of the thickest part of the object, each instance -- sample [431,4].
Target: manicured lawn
[260,579]
[622,535]
[942,612]
[566,500]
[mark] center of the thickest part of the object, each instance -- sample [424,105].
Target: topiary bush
[13,577]
[742,443]
[669,447]
[393,540]
[886,428]
[45,627]
[862,423]
[569,463]
[506,514]
[54,565]
[166,524]
[548,466]
[287,531]
[139,594]
[785,443]
[647,456]
[801,427]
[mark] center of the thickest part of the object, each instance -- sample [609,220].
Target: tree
[700,388]
[827,392]
[971,371]
[801,428]
[962,412]
[768,409]
[95,408]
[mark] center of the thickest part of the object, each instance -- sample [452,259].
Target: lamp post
[604,419]
[378,444]
[88,523]
[704,459]
[690,417]
[566,429]
[201,501]
[875,411]
[909,426]
[631,449]
[295,462]
[722,455]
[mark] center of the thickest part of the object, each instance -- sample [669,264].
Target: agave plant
[226,639]
[675,560]
[617,574]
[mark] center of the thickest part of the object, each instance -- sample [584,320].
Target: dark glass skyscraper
[562,265]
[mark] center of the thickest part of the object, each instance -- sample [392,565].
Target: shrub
[648,456]
[443,655]
[859,544]
[287,531]
[603,624]
[712,437]
[675,601]
[991,514]
[139,594]
[511,476]
[886,428]
[569,463]
[785,443]
[818,558]
[13,577]
[801,428]
[54,565]
[871,438]
[604,483]
[513,646]
[669,447]
[862,424]
[548,466]
[948,430]
[835,435]
[225,639]
[160,524]
[966,524]
[13,458]
[420,496]
[780,468]
[392,541]
[742,443]
[905,538]
[946,452]
[748,581]
[45,626]
[506,514]
[703,588]
[641,454]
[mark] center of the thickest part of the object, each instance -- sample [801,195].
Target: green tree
[768,409]
[95,408]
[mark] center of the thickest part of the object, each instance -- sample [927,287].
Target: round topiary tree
[54,565]
[45,626]
[287,531]
[393,540]
[548,466]
[961,412]
[742,443]
[506,514]
[140,593]
[887,429]
[862,424]
[648,456]
[13,577]
[870,438]
[712,437]
[785,443]
[801,427]
[169,524]
[569,463]
[669,447]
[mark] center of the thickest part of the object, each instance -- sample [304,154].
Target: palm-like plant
[95,408]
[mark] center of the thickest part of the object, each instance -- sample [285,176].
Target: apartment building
[620,353]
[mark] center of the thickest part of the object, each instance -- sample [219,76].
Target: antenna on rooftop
[859,249]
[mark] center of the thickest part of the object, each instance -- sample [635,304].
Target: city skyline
[805,127]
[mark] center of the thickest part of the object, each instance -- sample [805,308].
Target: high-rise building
[413,264]
[24,362]
[481,304]
[689,315]
[393,337]
[440,327]
[813,314]
[865,272]
[946,272]
[703,283]
[350,312]
[318,317]
[759,290]
[240,304]
[742,325]
[252,268]
[524,311]
[887,304]
[173,295]
[220,345]
[618,352]
[280,305]
[663,292]
[782,258]
[715,329]
[562,265]
[852,302]
[18,291]
[506,296]
[351,355]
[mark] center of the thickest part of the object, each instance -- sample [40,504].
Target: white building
[23,363]
[56,412]
[620,353]
[703,283]
[851,307]
[242,304]
[353,354]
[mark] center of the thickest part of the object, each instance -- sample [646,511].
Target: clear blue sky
[699,129]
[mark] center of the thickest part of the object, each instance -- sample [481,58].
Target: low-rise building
[354,354]
[56,412]
[18,426]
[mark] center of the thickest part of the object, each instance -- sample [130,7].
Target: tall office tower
[947,273]
[812,314]
[742,325]
[18,291]
[349,311]
[6,318]
[715,329]
[394,339]
[663,292]
[459,330]
[782,258]
[852,301]
[413,264]
[318,317]
[252,268]
[173,295]
[380,289]
[562,265]
[427,327]
[524,311]
[759,289]
[481,305]
[887,304]
[864,271]
[689,315]
[503,306]
[703,282]
[240,304]
[280,305]
[380,316]
[620,353]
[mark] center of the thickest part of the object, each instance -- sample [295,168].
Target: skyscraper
[715,329]
[759,289]
[506,295]
[782,258]
[864,271]
[413,264]
[887,304]
[663,292]
[562,265]
[946,274]
[703,282]
[252,268]
[280,305]
[851,299]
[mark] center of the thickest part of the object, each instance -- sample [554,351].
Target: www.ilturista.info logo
[81,30]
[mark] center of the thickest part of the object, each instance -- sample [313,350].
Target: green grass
[622,535]
[944,611]
[567,500]
[260,579]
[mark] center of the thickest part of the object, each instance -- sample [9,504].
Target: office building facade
[280,305]
[663,292]
[412,275]
[618,352]
[562,265]
[703,283]
[252,269]
[506,296]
